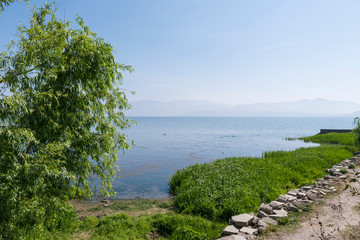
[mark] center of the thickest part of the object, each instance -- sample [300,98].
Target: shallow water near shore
[165,144]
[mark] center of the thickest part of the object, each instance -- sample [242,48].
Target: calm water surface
[165,144]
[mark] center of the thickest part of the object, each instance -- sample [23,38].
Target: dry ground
[134,207]
[337,216]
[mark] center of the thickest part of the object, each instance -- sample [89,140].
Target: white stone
[292,193]
[261,223]
[262,214]
[291,208]
[266,208]
[290,198]
[269,221]
[231,229]
[242,220]
[276,204]
[250,231]
[301,195]
[232,237]
[279,214]
[282,199]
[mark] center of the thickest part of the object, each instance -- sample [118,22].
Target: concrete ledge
[324,131]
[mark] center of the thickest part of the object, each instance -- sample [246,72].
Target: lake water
[165,144]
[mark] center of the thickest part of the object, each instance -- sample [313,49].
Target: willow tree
[357,131]
[4,3]
[61,113]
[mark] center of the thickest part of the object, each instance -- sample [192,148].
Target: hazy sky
[225,51]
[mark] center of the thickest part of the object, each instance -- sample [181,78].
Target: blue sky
[228,51]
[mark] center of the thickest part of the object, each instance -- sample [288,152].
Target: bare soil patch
[134,207]
[337,216]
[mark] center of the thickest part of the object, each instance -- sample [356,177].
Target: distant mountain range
[301,108]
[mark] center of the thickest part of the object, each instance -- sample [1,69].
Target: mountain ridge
[300,108]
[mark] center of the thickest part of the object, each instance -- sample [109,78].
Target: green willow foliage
[4,3]
[357,131]
[61,108]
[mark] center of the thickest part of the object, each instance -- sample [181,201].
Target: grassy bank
[333,138]
[207,195]
[146,226]
[231,186]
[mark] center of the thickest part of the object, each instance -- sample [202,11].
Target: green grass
[134,205]
[333,138]
[207,195]
[122,226]
[231,186]
[164,205]
[165,226]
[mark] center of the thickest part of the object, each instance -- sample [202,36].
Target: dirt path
[336,217]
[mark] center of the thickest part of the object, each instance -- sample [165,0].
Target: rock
[299,203]
[255,219]
[249,231]
[321,192]
[242,220]
[266,208]
[311,196]
[232,237]
[291,208]
[106,205]
[325,183]
[262,214]
[279,214]
[282,199]
[307,202]
[335,172]
[268,220]
[327,177]
[231,229]
[306,188]
[290,198]
[262,226]
[302,195]
[276,204]
[293,193]
[247,236]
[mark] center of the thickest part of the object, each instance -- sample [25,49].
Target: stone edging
[247,226]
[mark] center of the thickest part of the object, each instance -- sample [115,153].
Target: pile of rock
[247,226]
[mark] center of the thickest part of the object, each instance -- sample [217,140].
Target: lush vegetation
[122,226]
[231,186]
[61,109]
[334,138]
[4,3]
[357,131]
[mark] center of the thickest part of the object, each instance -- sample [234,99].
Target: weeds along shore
[230,186]
[207,195]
